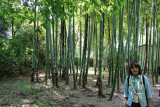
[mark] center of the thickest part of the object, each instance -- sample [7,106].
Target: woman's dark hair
[136,65]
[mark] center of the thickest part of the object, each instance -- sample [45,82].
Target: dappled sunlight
[158,86]
[26,101]
[49,84]
[89,78]
[27,105]
[59,96]
[41,75]
[67,87]
[92,88]
[94,80]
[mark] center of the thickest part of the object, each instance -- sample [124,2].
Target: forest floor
[20,92]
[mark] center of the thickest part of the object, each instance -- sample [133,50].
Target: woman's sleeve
[126,88]
[148,88]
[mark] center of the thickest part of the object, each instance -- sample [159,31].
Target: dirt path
[19,92]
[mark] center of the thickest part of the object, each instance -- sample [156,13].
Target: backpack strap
[128,80]
[145,89]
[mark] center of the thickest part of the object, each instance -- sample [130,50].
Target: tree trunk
[33,54]
[80,55]
[51,54]
[63,47]
[138,23]
[55,62]
[99,80]
[154,37]
[147,29]
[89,46]
[149,60]
[84,51]
[128,21]
[53,77]
[47,53]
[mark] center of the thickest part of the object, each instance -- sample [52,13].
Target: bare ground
[20,92]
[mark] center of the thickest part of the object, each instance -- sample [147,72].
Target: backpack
[144,86]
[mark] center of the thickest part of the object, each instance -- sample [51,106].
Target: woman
[137,91]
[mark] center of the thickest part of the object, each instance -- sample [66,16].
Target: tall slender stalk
[89,46]
[146,58]
[53,79]
[55,62]
[99,80]
[154,37]
[96,50]
[51,54]
[33,54]
[128,21]
[71,51]
[84,51]
[149,60]
[138,23]
[80,56]
[47,53]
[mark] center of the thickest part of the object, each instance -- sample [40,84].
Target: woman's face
[134,70]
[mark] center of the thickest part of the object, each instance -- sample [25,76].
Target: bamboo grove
[111,32]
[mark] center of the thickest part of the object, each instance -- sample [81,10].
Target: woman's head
[134,69]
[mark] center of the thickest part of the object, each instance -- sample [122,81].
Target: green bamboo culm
[89,47]
[60,52]
[47,54]
[154,37]
[55,55]
[116,73]
[159,50]
[135,37]
[96,50]
[33,53]
[128,21]
[131,30]
[80,56]
[142,50]
[146,57]
[72,54]
[138,23]
[110,54]
[149,59]
[68,61]
[51,54]
[157,23]
[157,60]
[84,51]
[120,46]
[112,50]
[63,46]
[99,80]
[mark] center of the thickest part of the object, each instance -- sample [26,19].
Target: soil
[20,92]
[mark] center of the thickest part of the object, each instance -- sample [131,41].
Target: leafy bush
[14,53]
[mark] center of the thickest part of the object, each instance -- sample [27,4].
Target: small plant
[22,86]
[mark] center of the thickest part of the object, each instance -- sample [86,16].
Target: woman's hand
[125,101]
[149,102]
